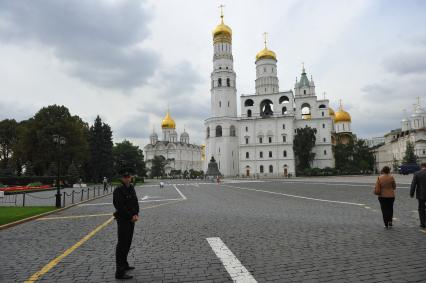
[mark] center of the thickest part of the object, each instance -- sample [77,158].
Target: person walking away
[385,190]
[418,186]
[127,213]
[105,182]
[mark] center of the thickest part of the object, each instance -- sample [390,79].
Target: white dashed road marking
[236,270]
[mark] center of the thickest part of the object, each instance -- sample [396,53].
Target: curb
[12,224]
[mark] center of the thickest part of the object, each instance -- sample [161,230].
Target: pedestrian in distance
[127,213]
[161,184]
[418,186]
[385,190]
[105,182]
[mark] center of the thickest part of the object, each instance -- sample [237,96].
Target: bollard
[63,203]
[72,197]
[88,189]
[82,191]
[99,191]
[23,199]
[94,191]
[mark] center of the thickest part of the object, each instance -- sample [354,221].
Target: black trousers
[125,236]
[386,204]
[422,211]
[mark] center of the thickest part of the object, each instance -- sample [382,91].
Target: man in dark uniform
[418,186]
[127,213]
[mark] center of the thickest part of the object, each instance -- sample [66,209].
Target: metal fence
[69,196]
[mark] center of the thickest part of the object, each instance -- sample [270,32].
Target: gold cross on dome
[265,38]
[221,6]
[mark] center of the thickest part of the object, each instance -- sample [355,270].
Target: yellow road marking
[55,261]
[74,216]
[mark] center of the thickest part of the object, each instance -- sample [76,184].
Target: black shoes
[129,268]
[423,226]
[123,276]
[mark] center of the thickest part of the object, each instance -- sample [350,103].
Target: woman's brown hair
[386,170]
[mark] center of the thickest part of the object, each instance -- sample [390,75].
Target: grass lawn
[13,213]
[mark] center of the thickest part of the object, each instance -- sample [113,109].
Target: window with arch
[322,113]
[325,152]
[249,113]
[266,108]
[247,140]
[284,138]
[270,139]
[261,169]
[323,139]
[283,126]
[304,91]
[218,131]
[248,102]
[261,154]
[306,111]
[271,169]
[208,132]
[232,131]
[270,154]
[285,153]
[322,106]
[228,103]
[284,99]
[220,104]
[219,82]
[284,110]
[228,82]
[260,139]
[247,155]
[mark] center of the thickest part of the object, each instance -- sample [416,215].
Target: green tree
[37,143]
[128,157]
[73,173]
[303,143]
[8,140]
[353,157]
[410,156]
[101,145]
[158,165]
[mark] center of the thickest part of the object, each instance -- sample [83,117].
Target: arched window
[270,154]
[266,108]
[271,169]
[285,153]
[219,82]
[232,131]
[249,113]
[247,155]
[325,152]
[218,131]
[261,169]
[284,110]
[284,99]
[261,154]
[322,106]
[249,102]
[208,132]
[306,111]
[228,82]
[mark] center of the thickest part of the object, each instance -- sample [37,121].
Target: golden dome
[265,53]
[168,122]
[342,116]
[222,33]
[330,111]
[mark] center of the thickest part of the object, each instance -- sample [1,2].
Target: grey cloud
[137,126]
[97,40]
[405,63]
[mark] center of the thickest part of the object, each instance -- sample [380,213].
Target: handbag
[378,188]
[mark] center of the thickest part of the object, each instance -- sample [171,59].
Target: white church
[178,154]
[259,142]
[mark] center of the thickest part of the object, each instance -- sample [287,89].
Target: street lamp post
[59,142]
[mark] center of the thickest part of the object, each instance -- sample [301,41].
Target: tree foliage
[354,157]
[410,156]
[304,142]
[128,157]
[101,145]
[158,165]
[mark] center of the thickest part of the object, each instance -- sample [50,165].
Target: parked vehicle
[406,169]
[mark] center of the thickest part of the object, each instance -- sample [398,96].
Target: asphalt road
[316,230]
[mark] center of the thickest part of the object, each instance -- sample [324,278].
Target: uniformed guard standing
[127,213]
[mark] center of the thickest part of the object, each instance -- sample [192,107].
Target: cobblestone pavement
[320,230]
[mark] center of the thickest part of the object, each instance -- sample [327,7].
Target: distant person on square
[127,213]
[105,182]
[418,186]
[385,190]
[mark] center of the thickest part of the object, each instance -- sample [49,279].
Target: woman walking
[385,189]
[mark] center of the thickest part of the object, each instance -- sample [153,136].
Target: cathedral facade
[178,154]
[259,142]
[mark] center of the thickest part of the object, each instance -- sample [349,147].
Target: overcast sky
[128,60]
